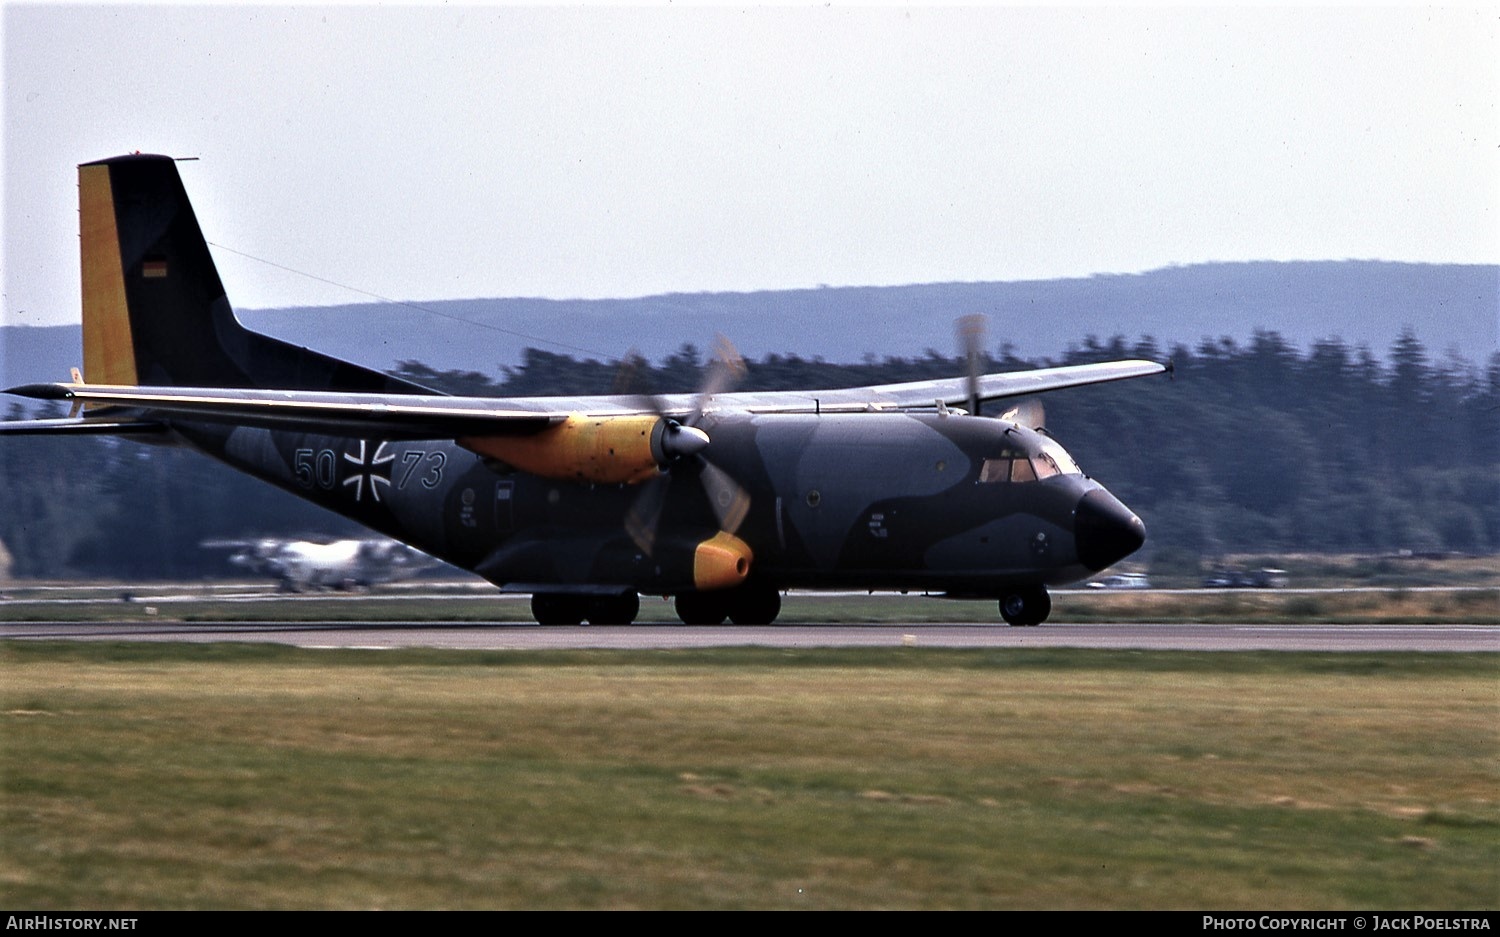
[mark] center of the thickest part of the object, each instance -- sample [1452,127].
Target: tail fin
[154,310]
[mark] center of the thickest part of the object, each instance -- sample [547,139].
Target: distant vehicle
[1228,577]
[1122,581]
[1222,578]
[339,564]
[1268,578]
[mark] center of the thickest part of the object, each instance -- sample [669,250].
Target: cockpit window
[1013,466]
[1060,458]
[995,470]
[1046,466]
[1010,466]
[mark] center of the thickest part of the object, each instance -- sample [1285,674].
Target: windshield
[1013,465]
[1059,456]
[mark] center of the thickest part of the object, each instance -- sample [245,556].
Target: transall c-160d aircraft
[721,500]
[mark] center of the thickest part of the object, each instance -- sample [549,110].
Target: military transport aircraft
[325,564]
[722,500]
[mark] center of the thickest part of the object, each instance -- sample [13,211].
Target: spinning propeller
[1028,413]
[685,444]
[971,343]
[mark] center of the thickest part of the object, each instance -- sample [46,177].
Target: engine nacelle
[721,562]
[606,450]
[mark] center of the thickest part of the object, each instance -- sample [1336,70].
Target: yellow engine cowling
[721,562]
[603,450]
[608,450]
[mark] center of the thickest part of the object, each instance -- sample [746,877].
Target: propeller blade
[725,369]
[633,381]
[730,502]
[1028,413]
[644,516]
[630,376]
[971,342]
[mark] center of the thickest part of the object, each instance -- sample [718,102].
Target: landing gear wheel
[702,608]
[614,609]
[754,605]
[558,609]
[1025,606]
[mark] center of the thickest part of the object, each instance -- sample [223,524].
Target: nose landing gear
[1024,606]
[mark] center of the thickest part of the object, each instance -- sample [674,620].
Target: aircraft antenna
[417,306]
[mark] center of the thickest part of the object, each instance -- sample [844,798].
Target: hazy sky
[460,151]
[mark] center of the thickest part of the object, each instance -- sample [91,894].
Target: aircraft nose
[1105,530]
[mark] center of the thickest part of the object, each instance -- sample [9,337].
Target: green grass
[230,776]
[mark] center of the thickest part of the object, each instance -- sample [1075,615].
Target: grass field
[229,776]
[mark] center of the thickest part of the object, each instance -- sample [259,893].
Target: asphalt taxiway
[1131,635]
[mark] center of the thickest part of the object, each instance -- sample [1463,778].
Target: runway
[1184,637]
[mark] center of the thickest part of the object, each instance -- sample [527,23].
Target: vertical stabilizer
[108,352]
[154,309]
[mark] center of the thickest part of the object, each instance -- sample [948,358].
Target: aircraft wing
[414,416]
[925,395]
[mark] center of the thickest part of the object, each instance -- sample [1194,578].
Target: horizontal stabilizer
[397,415]
[83,427]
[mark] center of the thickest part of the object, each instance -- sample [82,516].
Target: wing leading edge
[924,395]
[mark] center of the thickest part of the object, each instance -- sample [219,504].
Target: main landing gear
[749,604]
[1024,606]
[558,608]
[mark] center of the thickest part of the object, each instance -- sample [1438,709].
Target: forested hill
[1363,303]
[1358,302]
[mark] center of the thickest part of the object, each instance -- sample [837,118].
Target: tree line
[1249,447]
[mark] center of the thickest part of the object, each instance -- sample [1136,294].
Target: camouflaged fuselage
[867,501]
